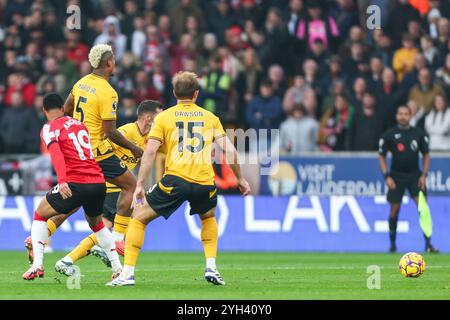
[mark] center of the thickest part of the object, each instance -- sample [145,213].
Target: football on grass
[412,265]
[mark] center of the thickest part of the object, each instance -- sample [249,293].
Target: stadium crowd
[307,67]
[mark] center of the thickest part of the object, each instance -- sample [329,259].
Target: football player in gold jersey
[94,102]
[187,133]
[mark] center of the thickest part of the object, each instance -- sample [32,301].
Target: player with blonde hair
[94,102]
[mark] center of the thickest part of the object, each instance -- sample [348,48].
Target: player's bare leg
[127,183]
[39,235]
[142,215]
[393,219]
[428,246]
[209,236]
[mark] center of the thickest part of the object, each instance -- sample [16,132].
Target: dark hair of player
[148,106]
[52,101]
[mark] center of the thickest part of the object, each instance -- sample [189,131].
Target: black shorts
[112,167]
[401,184]
[90,196]
[109,206]
[171,191]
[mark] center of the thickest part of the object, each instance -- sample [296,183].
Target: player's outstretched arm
[111,132]
[69,105]
[231,156]
[147,161]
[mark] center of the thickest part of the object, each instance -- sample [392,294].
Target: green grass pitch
[249,276]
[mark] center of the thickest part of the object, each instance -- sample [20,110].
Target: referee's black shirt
[405,145]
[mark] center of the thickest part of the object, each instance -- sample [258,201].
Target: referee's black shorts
[403,183]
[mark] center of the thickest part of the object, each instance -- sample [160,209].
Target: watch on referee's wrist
[386,175]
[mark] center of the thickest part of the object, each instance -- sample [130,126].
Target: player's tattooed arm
[111,132]
[69,105]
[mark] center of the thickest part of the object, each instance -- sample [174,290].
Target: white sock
[128,271]
[106,242]
[39,236]
[118,237]
[211,263]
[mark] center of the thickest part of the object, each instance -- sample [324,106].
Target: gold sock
[83,247]
[209,236]
[51,227]
[134,241]
[121,223]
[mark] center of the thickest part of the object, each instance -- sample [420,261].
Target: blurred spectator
[229,63]
[424,93]
[443,75]
[154,49]
[127,113]
[367,125]
[277,78]
[359,88]
[216,86]
[179,13]
[248,80]
[66,67]
[138,38]
[399,17]
[336,89]
[430,52]
[143,88]
[208,50]
[77,52]
[161,81]
[221,19]
[317,25]
[294,94]
[417,114]
[403,60]
[19,129]
[19,83]
[437,125]
[299,132]
[52,74]
[112,35]
[388,95]
[334,126]
[264,111]
[443,35]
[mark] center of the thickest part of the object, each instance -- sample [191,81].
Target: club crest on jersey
[397,135]
[414,145]
[401,147]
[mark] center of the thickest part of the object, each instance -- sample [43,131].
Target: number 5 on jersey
[79,109]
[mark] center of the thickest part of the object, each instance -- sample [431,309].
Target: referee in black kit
[405,143]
